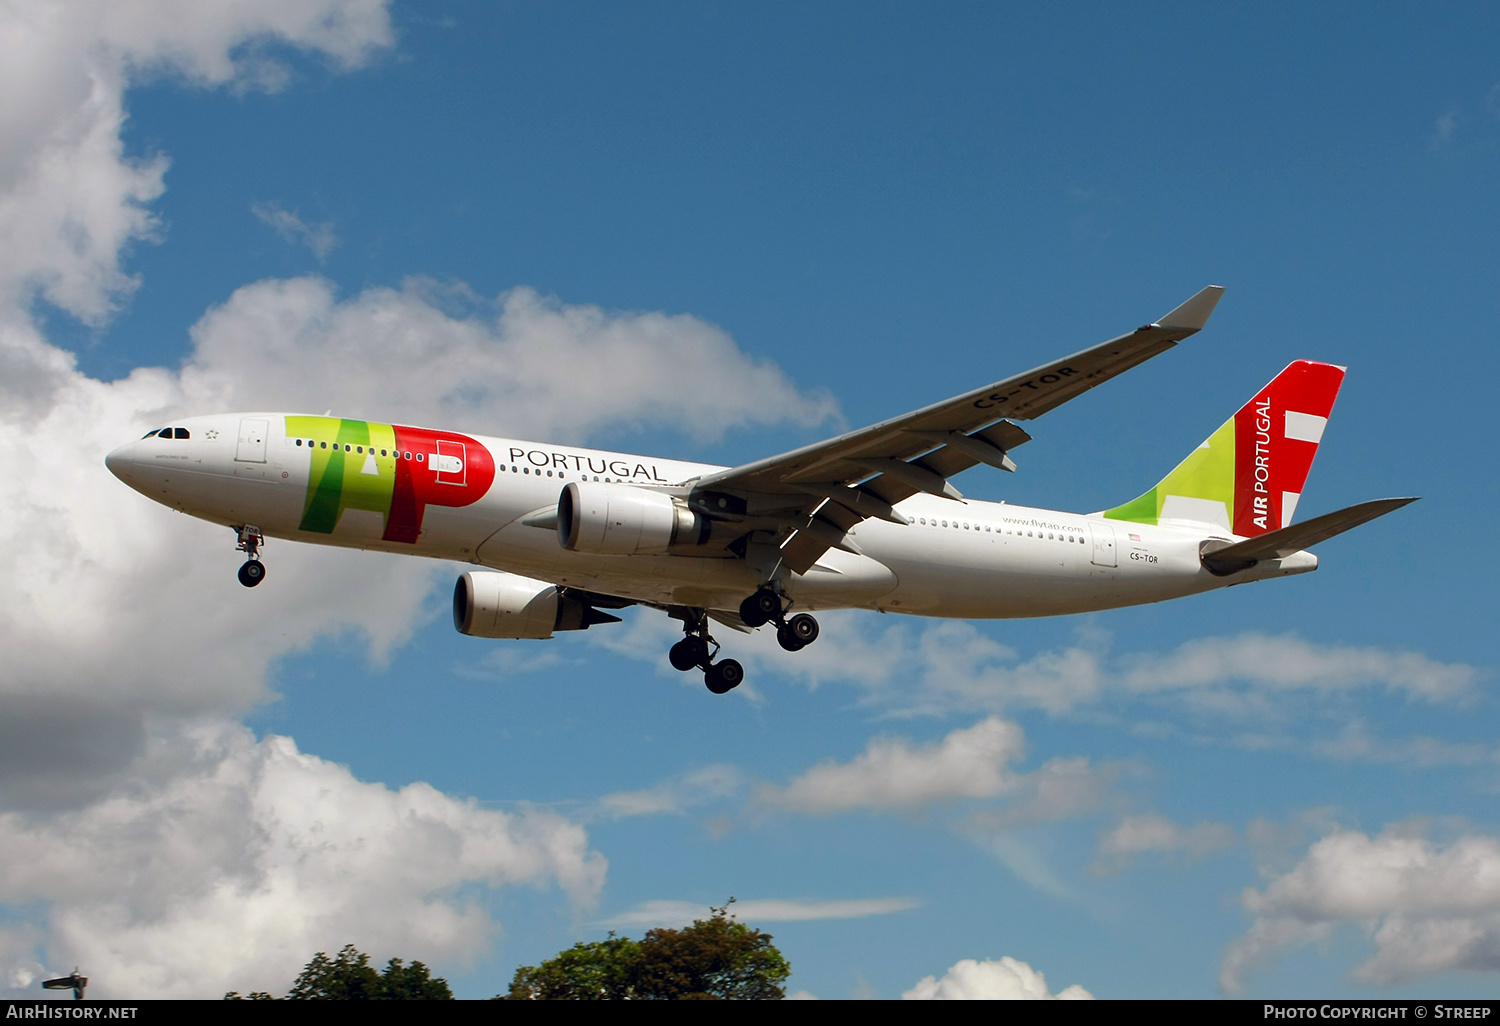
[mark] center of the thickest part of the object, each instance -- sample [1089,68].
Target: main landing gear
[765,607]
[250,540]
[697,650]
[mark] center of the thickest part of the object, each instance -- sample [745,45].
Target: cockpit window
[150,434]
[180,433]
[164,433]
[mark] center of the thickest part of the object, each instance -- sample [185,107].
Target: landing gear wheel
[688,653]
[252,573]
[724,676]
[761,608]
[789,641]
[804,628]
[797,633]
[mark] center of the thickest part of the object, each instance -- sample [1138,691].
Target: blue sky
[281,206]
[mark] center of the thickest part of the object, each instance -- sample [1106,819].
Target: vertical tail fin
[1247,477]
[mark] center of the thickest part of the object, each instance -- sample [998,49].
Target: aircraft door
[1103,536]
[451,462]
[252,444]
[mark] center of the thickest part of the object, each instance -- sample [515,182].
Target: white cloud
[1030,861]
[755,912]
[318,237]
[531,367]
[969,763]
[676,795]
[102,590]
[1355,743]
[1428,907]
[226,862]
[892,773]
[71,199]
[177,860]
[103,586]
[1059,789]
[1444,127]
[1286,663]
[961,666]
[1004,980]
[912,668]
[1137,835]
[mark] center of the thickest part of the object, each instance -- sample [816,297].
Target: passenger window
[323,445]
[180,433]
[419,457]
[549,473]
[525,470]
[359,449]
[406,455]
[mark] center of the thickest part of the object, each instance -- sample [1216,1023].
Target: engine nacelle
[488,604]
[623,520]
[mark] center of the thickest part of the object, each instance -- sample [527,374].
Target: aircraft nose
[120,462]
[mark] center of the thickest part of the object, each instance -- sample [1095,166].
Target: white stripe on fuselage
[970,559]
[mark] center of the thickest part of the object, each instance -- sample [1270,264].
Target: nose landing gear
[253,571]
[697,651]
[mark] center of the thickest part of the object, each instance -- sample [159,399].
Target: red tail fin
[1276,437]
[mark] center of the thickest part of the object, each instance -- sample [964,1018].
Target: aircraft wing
[807,499]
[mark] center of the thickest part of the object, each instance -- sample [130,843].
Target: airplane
[870,519]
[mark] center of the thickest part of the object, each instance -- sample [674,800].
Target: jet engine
[623,520]
[490,604]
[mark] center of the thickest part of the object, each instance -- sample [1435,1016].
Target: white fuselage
[973,560]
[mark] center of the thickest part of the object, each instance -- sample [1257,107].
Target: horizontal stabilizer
[1282,543]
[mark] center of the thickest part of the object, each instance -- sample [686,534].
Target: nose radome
[118,463]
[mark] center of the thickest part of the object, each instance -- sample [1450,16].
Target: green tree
[717,958]
[346,977]
[350,977]
[412,983]
[601,971]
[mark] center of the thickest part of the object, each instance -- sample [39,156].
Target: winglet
[1194,314]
